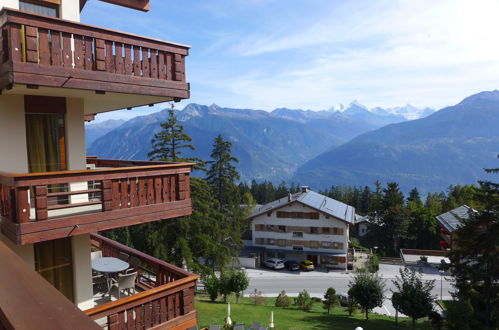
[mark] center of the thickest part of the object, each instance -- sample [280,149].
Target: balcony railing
[36,207]
[40,50]
[166,302]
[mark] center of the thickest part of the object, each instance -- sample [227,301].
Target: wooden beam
[28,301]
[142,5]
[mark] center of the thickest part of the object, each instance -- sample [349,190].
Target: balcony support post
[22,203]
[41,203]
[107,204]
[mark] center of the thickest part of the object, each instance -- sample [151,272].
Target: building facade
[302,226]
[56,73]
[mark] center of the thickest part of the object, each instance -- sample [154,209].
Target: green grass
[292,318]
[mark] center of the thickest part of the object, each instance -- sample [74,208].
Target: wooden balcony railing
[36,207]
[166,303]
[40,50]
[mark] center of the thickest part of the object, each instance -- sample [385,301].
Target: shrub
[374,264]
[282,300]
[303,301]
[352,308]
[212,286]
[330,299]
[257,298]
[238,282]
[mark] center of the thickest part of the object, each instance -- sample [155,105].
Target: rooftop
[452,219]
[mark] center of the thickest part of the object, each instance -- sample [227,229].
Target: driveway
[271,283]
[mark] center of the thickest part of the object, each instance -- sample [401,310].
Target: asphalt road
[270,283]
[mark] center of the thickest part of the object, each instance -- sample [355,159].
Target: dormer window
[47,8]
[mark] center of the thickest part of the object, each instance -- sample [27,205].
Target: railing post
[41,203]
[15,45]
[31,41]
[22,204]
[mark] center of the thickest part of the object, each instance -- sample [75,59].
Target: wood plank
[171,307]
[110,65]
[170,66]
[55,49]
[181,323]
[173,188]
[107,195]
[22,205]
[134,198]
[31,43]
[187,186]
[79,56]
[158,192]
[100,55]
[15,45]
[67,54]
[41,203]
[89,54]
[178,303]
[128,65]
[130,320]
[142,192]
[72,205]
[112,321]
[120,69]
[44,49]
[161,66]
[156,319]
[154,64]
[163,310]
[146,71]
[124,194]
[179,67]
[121,320]
[166,188]
[139,312]
[137,67]
[116,194]
[147,315]
[150,191]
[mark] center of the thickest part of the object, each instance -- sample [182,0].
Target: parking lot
[271,282]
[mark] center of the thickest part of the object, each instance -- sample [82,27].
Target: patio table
[109,266]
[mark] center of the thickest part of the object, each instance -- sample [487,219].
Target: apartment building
[305,225]
[55,73]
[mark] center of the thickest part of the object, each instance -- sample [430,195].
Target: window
[298,215]
[326,245]
[335,245]
[282,229]
[325,230]
[337,231]
[314,244]
[39,7]
[259,227]
[270,227]
[259,240]
[297,234]
[281,242]
[270,241]
[269,214]
[314,230]
[298,248]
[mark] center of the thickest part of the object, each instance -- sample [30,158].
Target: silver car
[274,263]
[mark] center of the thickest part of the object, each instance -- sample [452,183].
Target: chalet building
[305,225]
[449,223]
[56,73]
[361,226]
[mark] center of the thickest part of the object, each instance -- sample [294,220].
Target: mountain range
[269,145]
[451,146]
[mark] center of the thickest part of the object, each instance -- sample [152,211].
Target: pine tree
[367,289]
[222,174]
[170,143]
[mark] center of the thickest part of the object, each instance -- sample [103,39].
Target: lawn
[292,318]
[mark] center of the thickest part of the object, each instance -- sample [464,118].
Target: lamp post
[441,283]
[271,325]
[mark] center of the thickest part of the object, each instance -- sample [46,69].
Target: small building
[450,221]
[305,225]
[361,226]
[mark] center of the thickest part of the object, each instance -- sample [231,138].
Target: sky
[313,54]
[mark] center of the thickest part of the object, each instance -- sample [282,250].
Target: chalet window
[314,244]
[282,214]
[269,214]
[297,234]
[281,242]
[325,230]
[314,230]
[337,231]
[298,215]
[39,7]
[270,241]
[282,229]
[270,227]
[326,245]
[336,245]
[313,215]
[298,248]
[259,240]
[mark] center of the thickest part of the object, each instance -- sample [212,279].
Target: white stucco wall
[70,10]
[264,219]
[14,157]
[26,252]
[14,4]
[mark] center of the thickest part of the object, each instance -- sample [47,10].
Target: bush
[303,301]
[257,298]
[352,308]
[330,299]
[212,286]
[374,264]
[282,300]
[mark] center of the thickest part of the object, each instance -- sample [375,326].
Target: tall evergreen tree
[170,143]
[222,174]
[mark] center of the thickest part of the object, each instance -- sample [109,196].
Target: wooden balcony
[166,299]
[37,207]
[37,50]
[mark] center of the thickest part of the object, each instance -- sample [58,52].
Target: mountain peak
[482,97]
[357,104]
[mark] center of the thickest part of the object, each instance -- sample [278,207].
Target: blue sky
[311,54]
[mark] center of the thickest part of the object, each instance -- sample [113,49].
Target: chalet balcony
[164,298]
[36,207]
[66,58]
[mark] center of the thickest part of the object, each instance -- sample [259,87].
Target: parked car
[274,263]
[307,265]
[291,265]
[343,299]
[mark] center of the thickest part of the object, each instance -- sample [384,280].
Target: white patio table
[109,266]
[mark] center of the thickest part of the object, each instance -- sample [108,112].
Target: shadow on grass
[341,322]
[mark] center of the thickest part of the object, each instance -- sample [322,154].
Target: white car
[274,263]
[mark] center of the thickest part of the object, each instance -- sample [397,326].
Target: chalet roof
[452,220]
[314,200]
[361,218]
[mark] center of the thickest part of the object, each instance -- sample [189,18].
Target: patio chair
[123,256]
[95,255]
[125,282]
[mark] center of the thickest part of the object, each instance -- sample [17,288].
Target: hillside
[451,146]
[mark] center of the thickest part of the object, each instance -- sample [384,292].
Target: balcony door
[45,133]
